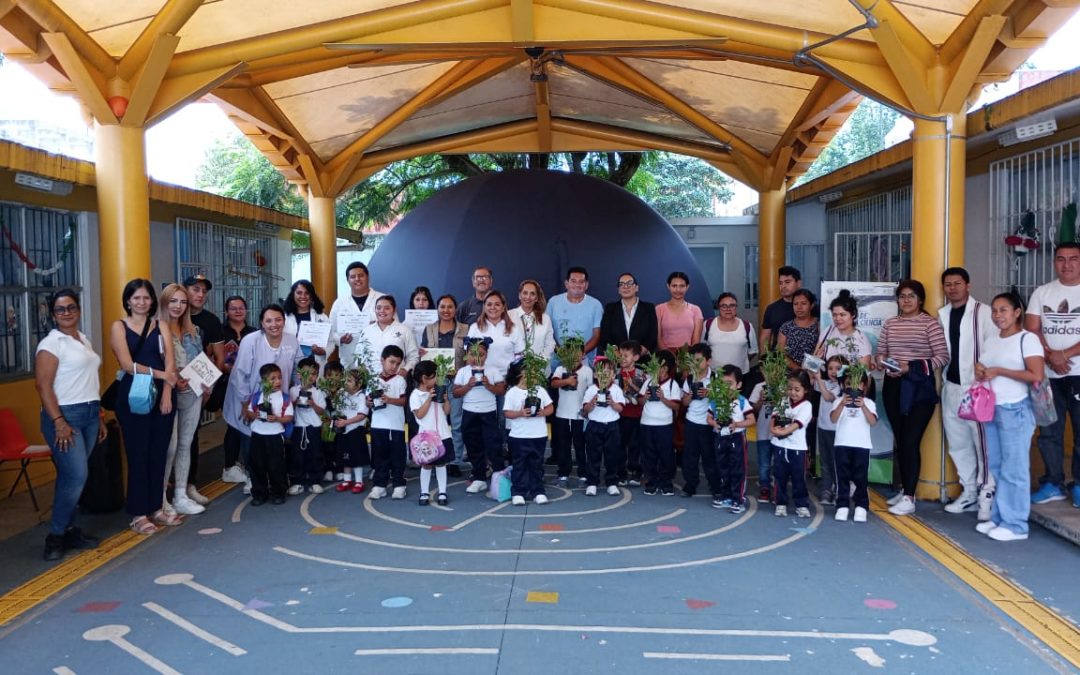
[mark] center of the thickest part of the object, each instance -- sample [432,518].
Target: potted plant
[570,352]
[334,386]
[774,368]
[684,363]
[474,351]
[652,372]
[534,371]
[605,375]
[265,407]
[722,396]
[697,362]
[444,368]
[303,398]
[855,371]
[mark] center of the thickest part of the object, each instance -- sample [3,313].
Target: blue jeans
[71,465]
[764,463]
[1008,448]
[1051,439]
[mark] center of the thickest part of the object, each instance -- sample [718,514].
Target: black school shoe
[54,547]
[76,539]
[277,501]
[258,501]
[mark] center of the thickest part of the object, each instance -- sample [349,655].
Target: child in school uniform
[269,477]
[528,436]
[602,408]
[853,419]
[630,380]
[763,443]
[698,445]
[431,410]
[568,425]
[477,385]
[829,388]
[731,446]
[387,405]
[657,427]
[305,465]
[789,448]
[351,441]
[332,470]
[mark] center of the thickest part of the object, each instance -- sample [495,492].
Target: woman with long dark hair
[303,304]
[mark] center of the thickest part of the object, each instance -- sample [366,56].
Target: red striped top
[911,338]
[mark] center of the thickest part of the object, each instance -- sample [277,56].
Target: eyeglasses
[63,310]
[626,284]
[481,277]
[908,296]
[728,306]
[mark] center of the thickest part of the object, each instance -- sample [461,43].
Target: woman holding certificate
[303,306]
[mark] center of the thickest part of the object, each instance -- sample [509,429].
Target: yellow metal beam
[336,180]
[321,221]
[957,42]
[243,103]
[971,62]
[167,21]
[908,69]
[176,92]
[772,238]
[87,80]
[543,116]
[5,7]
[314,182]
[279,118]
[52,19]
[876,80]
[824,100]
[923,54]
[146,85]
[521,13]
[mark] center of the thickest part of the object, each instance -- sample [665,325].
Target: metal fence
[871,237]
[807,257]
[237,261]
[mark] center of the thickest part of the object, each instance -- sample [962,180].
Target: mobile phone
[891,365]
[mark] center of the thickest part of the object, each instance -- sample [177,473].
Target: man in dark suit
[628,318]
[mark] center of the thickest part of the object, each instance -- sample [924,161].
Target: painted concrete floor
[340,582]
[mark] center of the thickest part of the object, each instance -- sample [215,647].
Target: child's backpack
[500,487]
[426,448]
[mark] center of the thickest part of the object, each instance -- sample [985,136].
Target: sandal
[142,525]
[167,520]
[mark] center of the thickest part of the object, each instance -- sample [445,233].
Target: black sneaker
[650,491]
[258,501]
[667,492]
[75,538]
[54,547]
[277,501]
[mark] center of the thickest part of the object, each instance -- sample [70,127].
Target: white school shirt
[391,417]
[605,413]
[503,348]
[264,428]
[526,427]
[739,408]
[852,427]
[1006,353]
[354,404]
[1055,303]
[824,422]
[764,415]
[796,440]
[434,420]
[570,402]
[478,399]
[76,379]
[307,417]
[695,412]
[655,413]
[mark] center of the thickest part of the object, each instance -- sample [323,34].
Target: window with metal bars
[39,255]
[807,257]
[237,261]
[871,237]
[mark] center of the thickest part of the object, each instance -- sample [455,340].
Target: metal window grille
[804,256]
[1030,191]
[871,237]
[237,261]
[48,239]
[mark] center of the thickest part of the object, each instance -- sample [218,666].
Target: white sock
[425,480]
[440,476]
[358,471]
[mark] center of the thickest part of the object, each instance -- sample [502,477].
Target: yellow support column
[937,235]
[772,236]
[123,219]
[323,247]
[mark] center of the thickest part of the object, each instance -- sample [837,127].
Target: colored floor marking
[323,530]
[682,656]
[186,625]
[552,527]
[698,604]
[1057,633]
[625,526]
[439,651]
[98,607]
[668,529]
[115,634]
[542,596]
[63,670]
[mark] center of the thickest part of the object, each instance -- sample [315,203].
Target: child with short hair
[731,445]
[309,404]
[604,401]
[387,403]
[829,388]
[853,418]
[431,408]
[789,448]
[763,413]
[351,441]
[268,415]
[630,379]
[528,436]
[698,445]
[568,425]
[662,402]
[477,385]
[332,471]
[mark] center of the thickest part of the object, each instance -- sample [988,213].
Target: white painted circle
[174,579]
[106,633]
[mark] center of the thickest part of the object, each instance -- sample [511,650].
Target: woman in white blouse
[387,330]
[507,336]
[66,377]
[529,314]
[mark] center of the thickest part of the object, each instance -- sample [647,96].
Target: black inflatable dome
[533,224]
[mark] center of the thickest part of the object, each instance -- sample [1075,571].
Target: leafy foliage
[722,396]
[774,368]
[862,135]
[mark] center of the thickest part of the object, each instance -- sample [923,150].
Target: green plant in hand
[444,367]
[775,369]
[722,396]
[267,389]
[651,368]
[570,352]
[333,385]
[856,370]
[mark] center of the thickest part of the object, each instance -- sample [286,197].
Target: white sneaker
[247,485]
[591,491]
[842,513]
[1000,533]
[476,486]
[378,492]
[904,507]
[802,512]
[581,482]
[296,489]
[234,474]
[187,507]
[968,501]
[985,527]
[328,477]
[613,490]
[895,499]
[986,504]
[860,515]
[780,512]
[316,489]
[540,499]
[518,500]
[399,492]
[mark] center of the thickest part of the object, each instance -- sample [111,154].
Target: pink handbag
[977,404]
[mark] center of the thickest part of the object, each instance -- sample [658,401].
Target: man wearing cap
[360,302]
[213,342]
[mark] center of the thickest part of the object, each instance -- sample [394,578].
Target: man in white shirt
[967,325]
[359,303]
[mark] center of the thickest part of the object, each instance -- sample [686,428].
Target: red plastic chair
[15,448]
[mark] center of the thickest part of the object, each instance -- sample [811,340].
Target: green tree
[678,186]
[862,135]
[234,168]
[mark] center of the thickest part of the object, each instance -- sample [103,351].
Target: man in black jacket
[628,318]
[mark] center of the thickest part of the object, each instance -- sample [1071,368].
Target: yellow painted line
[542,596]
[1056,632]
[323,530]
[22,599]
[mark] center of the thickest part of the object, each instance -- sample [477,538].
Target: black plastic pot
[532,403]
[654,392]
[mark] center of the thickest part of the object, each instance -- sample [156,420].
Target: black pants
[268,475]
[699,446]
[483,442]
[564,435]
[146,441]
[527,478]
[789,464]
[852,466]
[657,455]
[387,457]
[731,466]
[234,440]
[908,431]
[305,456]
[602,446]
[628,439]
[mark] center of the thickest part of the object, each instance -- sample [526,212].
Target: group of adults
[159,336]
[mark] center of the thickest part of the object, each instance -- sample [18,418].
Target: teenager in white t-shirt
[662,402]
[789,448]
[852,419]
